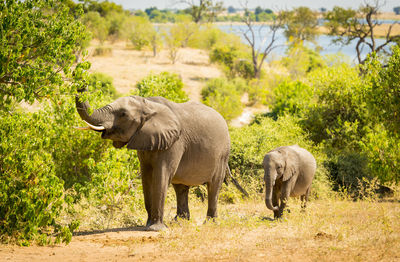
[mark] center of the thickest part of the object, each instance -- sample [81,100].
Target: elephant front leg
[275,200]
[159,187]
[285,194]
[146,173]
[182,195]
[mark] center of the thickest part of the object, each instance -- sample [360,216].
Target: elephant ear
[291,163]
[159,128]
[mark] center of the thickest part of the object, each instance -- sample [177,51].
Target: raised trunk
[269,185]
[95,118]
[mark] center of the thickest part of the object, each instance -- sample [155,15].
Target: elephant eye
[122,114]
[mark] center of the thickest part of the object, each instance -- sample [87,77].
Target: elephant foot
[210,219]
[178,217]
[157,227]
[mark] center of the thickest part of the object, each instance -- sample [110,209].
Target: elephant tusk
[98,128]
[81,128]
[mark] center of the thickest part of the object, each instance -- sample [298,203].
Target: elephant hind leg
[213,189]
[182,192]
[304,198]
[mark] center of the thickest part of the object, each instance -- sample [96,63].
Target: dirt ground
[128,66]
[328,231]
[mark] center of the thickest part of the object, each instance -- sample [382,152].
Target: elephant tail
[235,182]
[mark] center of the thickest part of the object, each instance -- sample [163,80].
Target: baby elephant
[288,171]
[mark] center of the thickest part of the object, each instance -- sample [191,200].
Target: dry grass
[330,230]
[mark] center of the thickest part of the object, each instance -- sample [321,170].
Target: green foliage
[300,24]
[340,115]
[346,169]
[114,183]
[209,36]
[291,97]
[301,60]
[97,25]
[165,84]
[39,42]
[31,195]
[232,61]
[102,7]
[251,143]
[381,149]
[139,31]
[383,95]
[103,83]
[223,96]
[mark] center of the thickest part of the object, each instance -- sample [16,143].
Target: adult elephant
[288,172]
[184,144]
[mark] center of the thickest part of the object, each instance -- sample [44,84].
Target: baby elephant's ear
[160,128]
[291,163]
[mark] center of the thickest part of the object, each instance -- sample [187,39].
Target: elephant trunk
[95,119]
[269,184]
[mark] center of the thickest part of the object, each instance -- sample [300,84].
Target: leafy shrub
[114,184]
[232,60]
[97,25]
[346,169]
[340,115]
[41,155]
[165,84]
[381,148]
[31,194]
[104,83]
[291,97]
[383,93]
[210,36]
[223,96]
[251,143]
[139,31]
[102,51]
[301,60]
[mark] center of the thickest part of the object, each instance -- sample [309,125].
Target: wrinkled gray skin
[288,172]
[184,144]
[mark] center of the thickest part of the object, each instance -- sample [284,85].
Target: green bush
[291,97]
[232,60]
[223,96]
[102,51]
[339,116]
[381,148]
[41,156]
[104,83]
[251,143]
[165,84]
[31,193]
[301,60]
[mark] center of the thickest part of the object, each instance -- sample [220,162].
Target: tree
[347,25]
[97,25]
[260,53]
[39,42]
[231,10]
[300,24]
[205,10]
[396,10]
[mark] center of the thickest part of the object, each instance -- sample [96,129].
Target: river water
[263,34]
